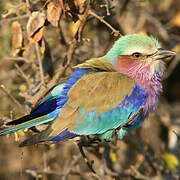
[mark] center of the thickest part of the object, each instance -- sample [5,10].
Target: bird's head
[138,53]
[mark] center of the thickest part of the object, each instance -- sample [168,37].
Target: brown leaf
[42,46]
[17,39]
[35,27]
[37,36]
[53,13]
[75,7]
[80,5]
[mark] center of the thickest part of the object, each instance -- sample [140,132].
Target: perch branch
[130,119]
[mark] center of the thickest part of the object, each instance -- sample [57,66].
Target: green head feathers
[129,44]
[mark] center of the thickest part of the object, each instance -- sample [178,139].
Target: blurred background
[40,42]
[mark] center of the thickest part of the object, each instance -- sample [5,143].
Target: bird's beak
[163,54]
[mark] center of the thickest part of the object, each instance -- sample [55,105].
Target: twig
[23,75]
[28,6]
[83,19]
[69,54]
[115,32]
[14,19]
[107,7]
[69,168]
[130,119]
[162,31]
[40,64]
[44,90]
[17,59]
[13,99]
[148,157]
[36,173]
[137,175]
[62,38]
[89,164]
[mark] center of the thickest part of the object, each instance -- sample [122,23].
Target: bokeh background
[40,42]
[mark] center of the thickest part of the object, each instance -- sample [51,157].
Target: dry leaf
[73,28]
[42,46]
[17,39]
[80,5]
[53,13]
[35,27]
[75,7]
[37,36]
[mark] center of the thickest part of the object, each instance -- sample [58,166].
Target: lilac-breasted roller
[119,89]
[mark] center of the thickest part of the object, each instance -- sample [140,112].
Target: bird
[105,96]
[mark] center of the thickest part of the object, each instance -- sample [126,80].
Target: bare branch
[115,32]
[13,99]
[40,64]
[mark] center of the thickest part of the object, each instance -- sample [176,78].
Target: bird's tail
[27,124]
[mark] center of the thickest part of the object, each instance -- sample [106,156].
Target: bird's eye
[136,54]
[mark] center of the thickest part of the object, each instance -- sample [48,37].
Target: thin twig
[115,32]
[137,175]
[83,19]
[19,59]
[40,64]
[130,119]
[69,54]
[23,75]
[107,7]
[89,164]
[155,21]
[13,99]
[36,173]
[14,19]
[70,167]
[28,6]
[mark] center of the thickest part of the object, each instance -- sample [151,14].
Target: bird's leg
[89,163]
[130,119]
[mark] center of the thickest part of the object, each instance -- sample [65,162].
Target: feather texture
[102,94]
[97,103]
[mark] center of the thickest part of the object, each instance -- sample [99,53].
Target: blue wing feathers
[64,135]
[48,108]
[94,123]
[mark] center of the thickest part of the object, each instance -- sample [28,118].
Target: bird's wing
[47,105]
[97,102]
[48,108]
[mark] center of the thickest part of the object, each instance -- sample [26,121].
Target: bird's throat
[147,78]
